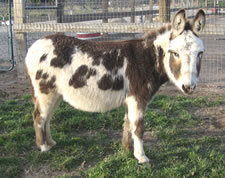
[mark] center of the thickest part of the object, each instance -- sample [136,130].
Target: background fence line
[217,29]
[117,19]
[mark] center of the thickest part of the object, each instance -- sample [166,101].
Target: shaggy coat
[100,76]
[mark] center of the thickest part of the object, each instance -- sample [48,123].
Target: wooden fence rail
[218,29]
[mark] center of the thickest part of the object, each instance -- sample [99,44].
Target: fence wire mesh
[69,16]
[4,36]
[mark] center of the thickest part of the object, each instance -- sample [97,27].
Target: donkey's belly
[94,100]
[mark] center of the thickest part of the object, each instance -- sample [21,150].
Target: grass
[86,143]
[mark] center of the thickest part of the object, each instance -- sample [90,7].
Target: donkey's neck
[162,39]
[159,40]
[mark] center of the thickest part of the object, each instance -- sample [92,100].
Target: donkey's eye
[175,54]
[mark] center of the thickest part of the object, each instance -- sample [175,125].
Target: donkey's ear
[199,21]
[178,22]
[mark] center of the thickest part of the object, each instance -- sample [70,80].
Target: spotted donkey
[100,76]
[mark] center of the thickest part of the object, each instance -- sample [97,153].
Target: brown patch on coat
[189,26]
[91,72]
[38,74]
[175,66]
[45,76]
[36,112]
[126,139]
[105,52]
[145,68]
[46,86]
[63,49]
[78,79]
[106,82]
[39,132]
[169,27]
[118,83]
[151,36]
[43,58]
[139,132]
[162,30]
[161,55]
[109,60]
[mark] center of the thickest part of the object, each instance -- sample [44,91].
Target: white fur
[133,115]
[101,100]
[187,46]
[44,148]
[163,40]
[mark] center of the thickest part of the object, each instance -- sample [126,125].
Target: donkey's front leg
[136,119]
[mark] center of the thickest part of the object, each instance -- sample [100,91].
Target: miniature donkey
[100,76]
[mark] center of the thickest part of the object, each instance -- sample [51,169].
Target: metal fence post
[59,10]
[105,10]
[20,38]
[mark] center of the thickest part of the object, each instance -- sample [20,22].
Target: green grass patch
[85,141]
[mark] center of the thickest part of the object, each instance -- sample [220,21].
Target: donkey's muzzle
[188,89]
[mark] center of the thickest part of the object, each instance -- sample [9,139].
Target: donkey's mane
[154,33]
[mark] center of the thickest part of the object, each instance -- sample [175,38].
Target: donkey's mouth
[188,89]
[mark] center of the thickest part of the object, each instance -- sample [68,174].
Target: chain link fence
[5,57]
[124,19]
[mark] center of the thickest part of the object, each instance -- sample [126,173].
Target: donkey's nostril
[188,89]
[183,87]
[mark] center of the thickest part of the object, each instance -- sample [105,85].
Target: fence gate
[7,62]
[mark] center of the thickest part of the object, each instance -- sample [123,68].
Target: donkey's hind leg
[45,105]
[126,140]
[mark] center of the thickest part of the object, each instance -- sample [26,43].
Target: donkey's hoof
[143,159]
[45,147]
[51,143]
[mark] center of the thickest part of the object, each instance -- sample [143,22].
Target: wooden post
[214,3]
[199,4]
[105,10]
[132,6]
[206,4]
[20,38]
[173,3]
[164,11]
[214,6]
[150,8]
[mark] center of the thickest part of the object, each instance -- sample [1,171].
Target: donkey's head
[185,51]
